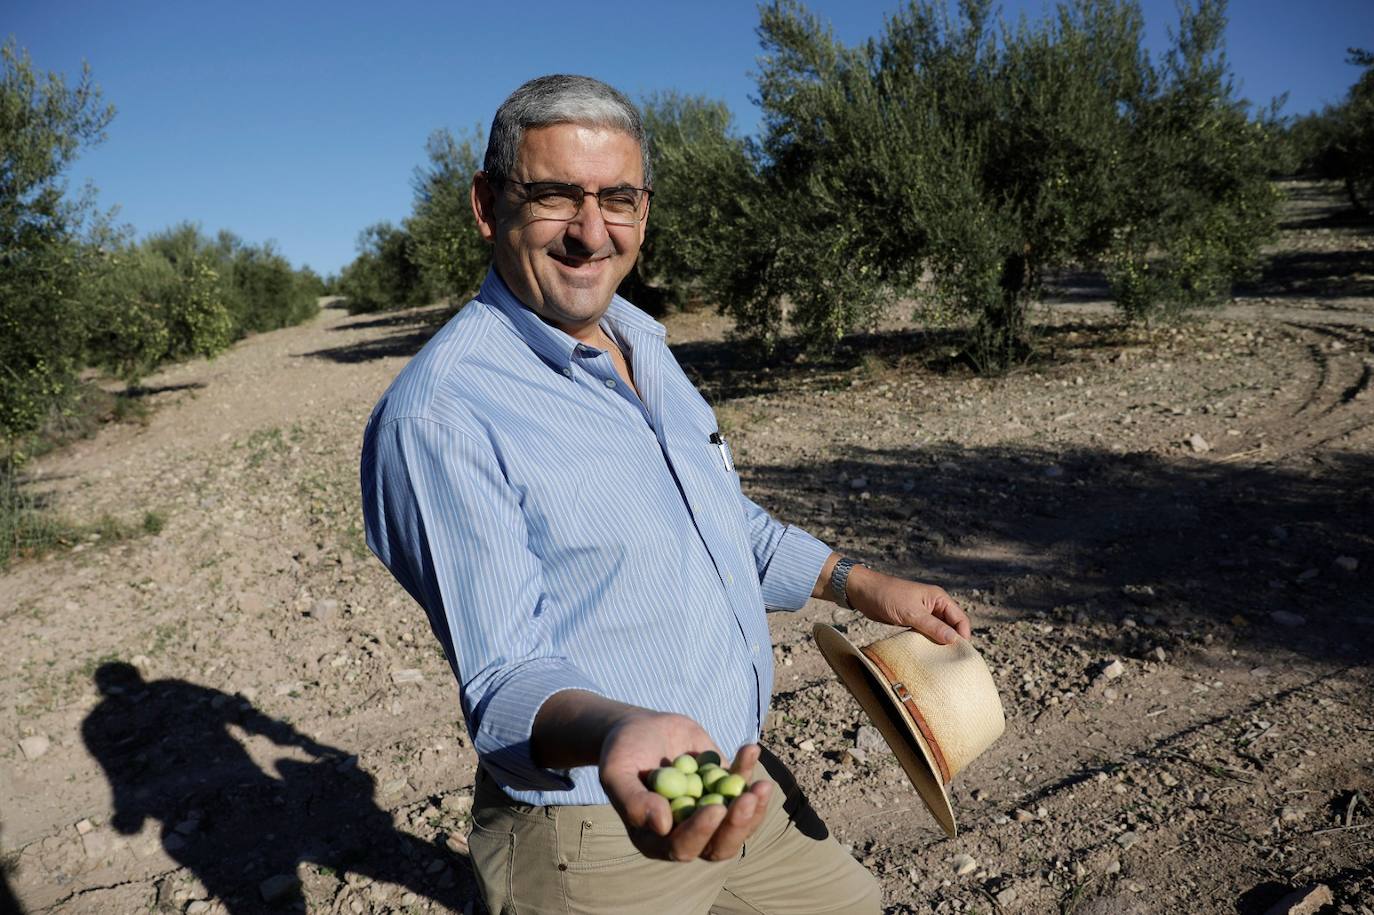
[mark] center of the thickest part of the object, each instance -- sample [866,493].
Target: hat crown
[951,687]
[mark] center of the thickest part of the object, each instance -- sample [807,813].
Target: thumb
[639,807]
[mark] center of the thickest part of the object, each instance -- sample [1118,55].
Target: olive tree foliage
[147,309]
[1337,143]
[386,274]
[444,240]
[705,186]
[958,160]
[43,125]
[1197,202]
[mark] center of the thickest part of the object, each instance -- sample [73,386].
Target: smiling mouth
[578,263]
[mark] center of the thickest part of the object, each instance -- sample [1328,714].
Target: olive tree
[44,123]
[445,243]
[958,160]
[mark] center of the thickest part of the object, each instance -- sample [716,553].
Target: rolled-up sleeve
[441,516]
[789,560]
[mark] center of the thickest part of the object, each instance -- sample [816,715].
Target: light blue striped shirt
[563,533]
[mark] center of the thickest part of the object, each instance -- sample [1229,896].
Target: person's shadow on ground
[167,750]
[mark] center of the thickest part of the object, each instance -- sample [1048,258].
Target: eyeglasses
[620,206]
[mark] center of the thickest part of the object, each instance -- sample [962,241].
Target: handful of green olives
[693,782]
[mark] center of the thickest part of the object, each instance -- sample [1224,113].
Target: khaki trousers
[570,860]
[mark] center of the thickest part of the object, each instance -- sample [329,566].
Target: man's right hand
[644,740]
[626,742]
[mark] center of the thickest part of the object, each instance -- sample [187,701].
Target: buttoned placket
[600,367]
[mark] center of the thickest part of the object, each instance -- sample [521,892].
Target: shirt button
[568,372]
[610,382]
[754,648]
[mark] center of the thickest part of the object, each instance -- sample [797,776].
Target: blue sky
[302,122]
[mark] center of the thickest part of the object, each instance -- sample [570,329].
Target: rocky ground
[1165,538]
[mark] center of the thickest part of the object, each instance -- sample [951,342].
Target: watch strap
[839,579]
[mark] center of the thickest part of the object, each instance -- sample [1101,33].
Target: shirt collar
[548,342]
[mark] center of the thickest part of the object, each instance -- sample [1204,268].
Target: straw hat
[935,705]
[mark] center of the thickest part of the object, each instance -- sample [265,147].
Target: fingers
[955,616]
[743,817]
[933,628]
[743,766]
[639,807]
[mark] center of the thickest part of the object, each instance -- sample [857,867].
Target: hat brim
[868,685]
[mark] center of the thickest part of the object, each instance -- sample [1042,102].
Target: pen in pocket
[723,447]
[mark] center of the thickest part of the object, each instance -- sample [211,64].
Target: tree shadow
[1313,274]
[412,330]
[168,752]
[139,391]
[1219,545]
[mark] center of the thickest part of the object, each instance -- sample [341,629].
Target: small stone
[409,899]
[275,889]
[1109,694]
[35,746]
[1006,897]
[1288,618]
[1306,901]
[407,675]
[198,907]
[1159,654]
[1113,669]
[964,865]
[457,844]
[806,746]
[1168,780]
[1291,814]
[1140,594]
[1113,866]
[456,803]
[1022,815]
[96,844]
[1054,471]
[856,756]
[1198,444]
[859,483]
[870,740]
[1346,563]
[84,826]
[324,610]
[1127,839]
[979,794]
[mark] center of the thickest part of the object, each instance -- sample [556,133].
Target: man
[547,483]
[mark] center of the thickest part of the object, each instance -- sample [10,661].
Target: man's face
[566,272]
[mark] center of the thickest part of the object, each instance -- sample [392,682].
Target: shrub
[445,244]
[385,274]
[958,164]
[43,125]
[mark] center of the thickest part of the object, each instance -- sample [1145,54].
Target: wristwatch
[839,579]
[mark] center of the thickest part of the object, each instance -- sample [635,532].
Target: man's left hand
[898,602]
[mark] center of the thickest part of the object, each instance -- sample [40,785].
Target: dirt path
[1193,502]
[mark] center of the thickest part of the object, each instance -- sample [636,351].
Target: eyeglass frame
[525,186]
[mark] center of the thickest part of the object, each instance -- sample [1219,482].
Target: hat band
[904,697]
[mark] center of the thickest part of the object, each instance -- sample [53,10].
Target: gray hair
[560,99]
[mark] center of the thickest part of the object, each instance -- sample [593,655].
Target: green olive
[685,764]
[668,782]
[708,758]
[694,785]
[730,786]
[710,775]
[708,799]
[682,808]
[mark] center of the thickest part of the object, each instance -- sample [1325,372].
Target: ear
[484,206]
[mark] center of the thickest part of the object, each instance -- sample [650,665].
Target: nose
[588,227]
